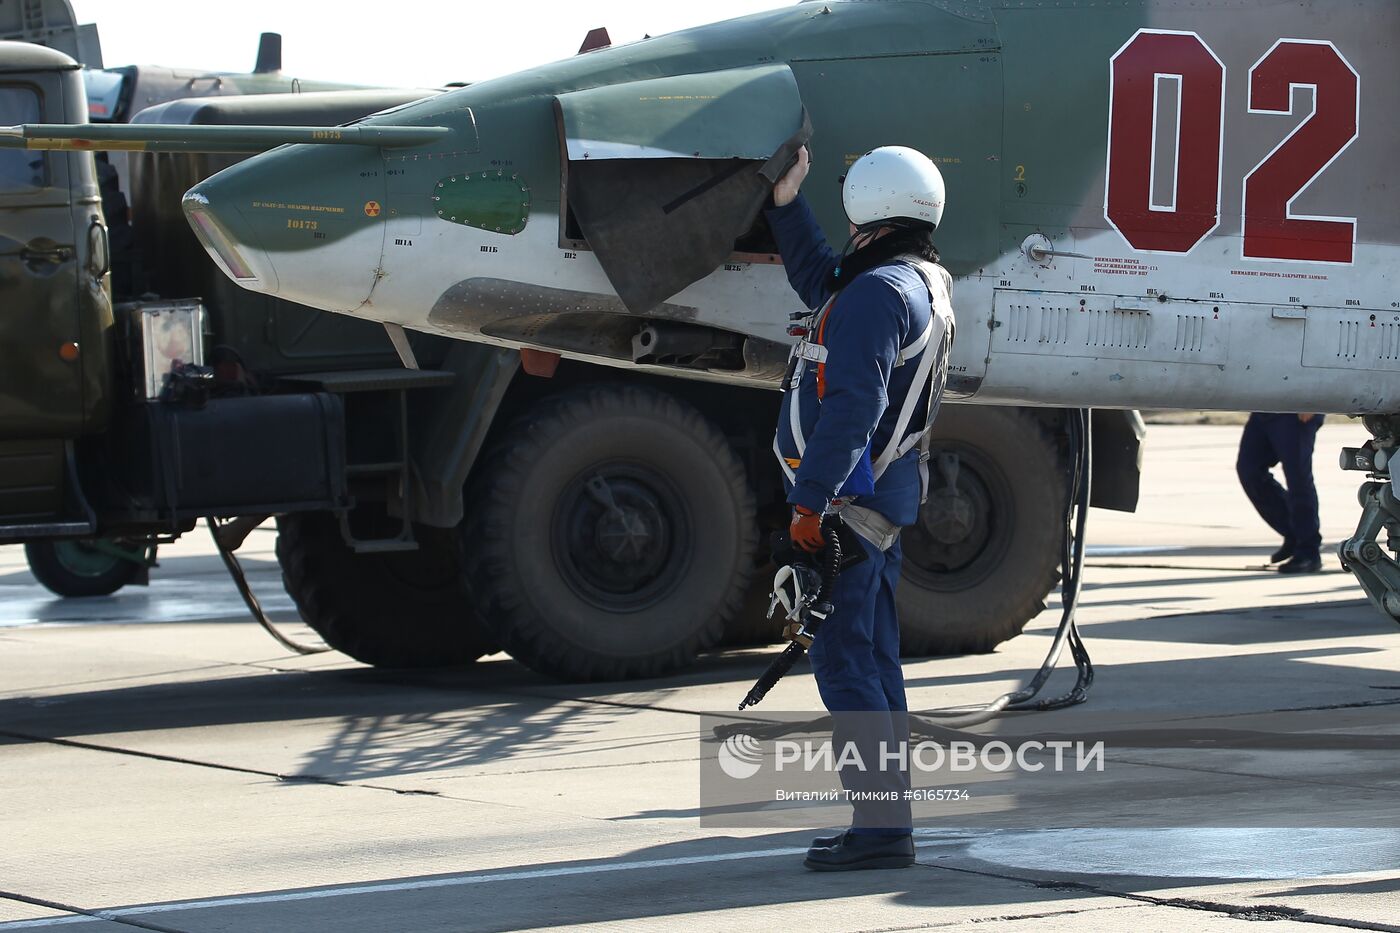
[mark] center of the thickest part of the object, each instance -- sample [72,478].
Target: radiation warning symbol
[371,208]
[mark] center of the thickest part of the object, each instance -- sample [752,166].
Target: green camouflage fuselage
[1075,285]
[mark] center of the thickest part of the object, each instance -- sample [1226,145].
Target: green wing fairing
[738,113]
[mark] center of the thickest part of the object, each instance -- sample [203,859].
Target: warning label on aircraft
[371,208]
[1113,265]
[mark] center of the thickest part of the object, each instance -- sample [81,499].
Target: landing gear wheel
[986,549]
[610,535]
[80,568]
[389,609]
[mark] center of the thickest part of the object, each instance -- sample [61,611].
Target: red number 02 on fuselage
[1178,72]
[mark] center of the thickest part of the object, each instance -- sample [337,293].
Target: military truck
[96,567]
[396,463]
[96,437]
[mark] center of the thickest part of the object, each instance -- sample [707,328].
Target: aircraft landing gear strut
[1362,554]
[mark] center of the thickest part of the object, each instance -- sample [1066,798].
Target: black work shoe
[1297,564]
[856,852]
[1282,554]
[826,842]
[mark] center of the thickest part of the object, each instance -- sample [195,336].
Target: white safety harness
[930,378]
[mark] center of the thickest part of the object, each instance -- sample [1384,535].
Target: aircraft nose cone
[228,239]
[302,222]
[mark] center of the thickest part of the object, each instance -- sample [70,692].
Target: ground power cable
[228,536]
[937,722]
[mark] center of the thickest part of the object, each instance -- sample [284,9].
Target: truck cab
[55,306]
[110,427]
[115,437]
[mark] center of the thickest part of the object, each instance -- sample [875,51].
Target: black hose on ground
[1080,430]
[1072,559]
[227,538]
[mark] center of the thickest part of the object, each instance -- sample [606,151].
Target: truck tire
[610,535]
[389,609]
[76,568]
[986,550]
[750,627]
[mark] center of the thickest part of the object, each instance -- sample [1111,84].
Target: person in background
[1285,439]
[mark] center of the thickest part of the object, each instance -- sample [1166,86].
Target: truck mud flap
[1119,438]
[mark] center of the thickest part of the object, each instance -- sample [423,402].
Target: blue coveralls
[855,656]
[1281,438]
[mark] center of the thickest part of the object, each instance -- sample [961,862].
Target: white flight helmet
[893,182]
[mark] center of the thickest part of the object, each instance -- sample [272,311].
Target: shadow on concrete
[675,882]
[1329,619]
[1195,579]
[394,723]
[1372,886]
[695,882]
[387,723]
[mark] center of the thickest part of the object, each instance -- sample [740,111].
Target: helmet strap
[845,252]
[864,230]
[856,259]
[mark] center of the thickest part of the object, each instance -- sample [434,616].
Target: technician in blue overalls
[1288,440]
[867,377]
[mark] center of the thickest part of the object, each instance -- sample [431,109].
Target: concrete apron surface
[165,766]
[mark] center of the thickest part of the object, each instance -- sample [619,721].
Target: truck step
[46,530]
[374,380]
[382,545]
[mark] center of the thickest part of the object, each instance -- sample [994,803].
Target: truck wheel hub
[949,517]
[957,525]
[82,559]
[615,535]
[623,537]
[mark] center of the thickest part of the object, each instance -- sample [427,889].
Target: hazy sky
[403,42]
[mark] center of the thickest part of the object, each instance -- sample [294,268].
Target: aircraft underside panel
[1115,351]
[1339,338]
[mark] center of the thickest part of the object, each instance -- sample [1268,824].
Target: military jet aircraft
[1153,204]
